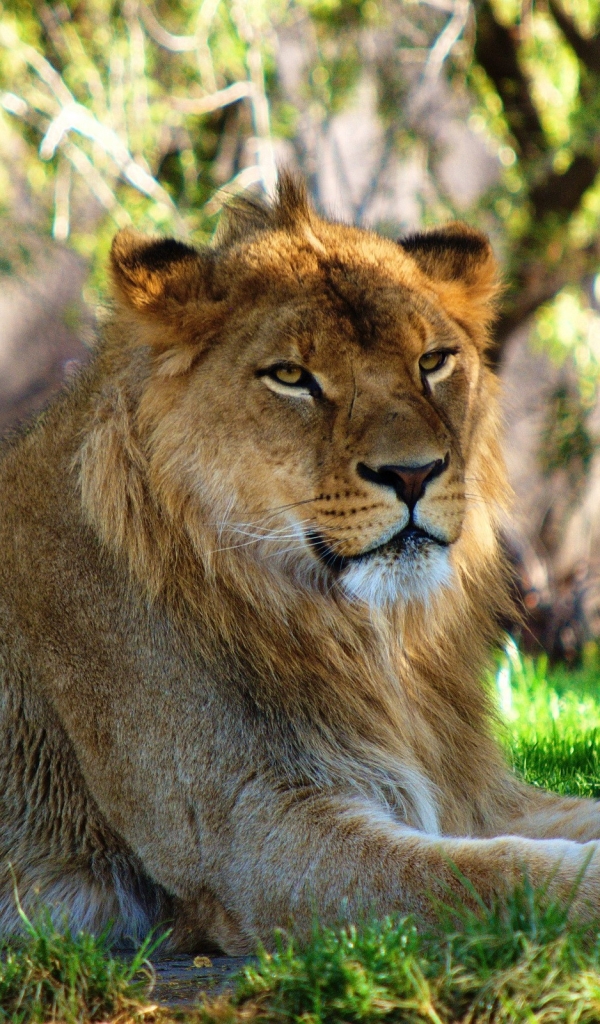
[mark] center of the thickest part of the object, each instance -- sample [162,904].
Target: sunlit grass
[552,722]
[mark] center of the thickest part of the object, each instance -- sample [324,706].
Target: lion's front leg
[341,858]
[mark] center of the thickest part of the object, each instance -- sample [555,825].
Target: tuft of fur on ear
[461,265]
[249,213]
[243,215]
[153,274]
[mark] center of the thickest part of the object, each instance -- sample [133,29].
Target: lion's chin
[411,565]
[388,578]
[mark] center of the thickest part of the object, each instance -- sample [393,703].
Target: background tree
[544,68]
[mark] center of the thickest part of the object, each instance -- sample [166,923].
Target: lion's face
[340,451]
[323,423]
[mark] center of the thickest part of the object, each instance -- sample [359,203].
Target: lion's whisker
[255,538]
[240,527]
[293,504]
[247,543]
[222,523]
[285,551]
[281,533]
[478,499]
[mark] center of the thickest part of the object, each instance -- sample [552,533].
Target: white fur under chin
[382,580]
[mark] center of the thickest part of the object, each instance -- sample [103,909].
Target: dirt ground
[181,980]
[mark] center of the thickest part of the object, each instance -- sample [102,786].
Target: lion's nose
[409,482]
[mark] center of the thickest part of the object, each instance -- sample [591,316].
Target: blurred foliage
[537,79]
[536,74]
[127,111]
[117,112]
[568,330]
[566,441]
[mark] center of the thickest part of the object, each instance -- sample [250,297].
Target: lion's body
[228,698]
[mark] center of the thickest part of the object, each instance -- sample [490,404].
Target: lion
[249,586]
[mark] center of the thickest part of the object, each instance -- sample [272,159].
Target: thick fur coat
[249,582]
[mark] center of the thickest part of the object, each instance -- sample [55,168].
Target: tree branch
[532,289]
[562,193]
[535,284]
[588,50]
[496,51]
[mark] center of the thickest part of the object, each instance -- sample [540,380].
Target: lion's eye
[288,374]
[432,361]
[291,377]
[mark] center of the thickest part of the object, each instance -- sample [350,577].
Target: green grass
[521,962]
[49,974]
[552,722]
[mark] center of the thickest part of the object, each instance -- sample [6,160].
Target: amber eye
[292,378]
[288,374]
[432,361]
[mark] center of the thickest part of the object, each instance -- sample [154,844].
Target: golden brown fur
[239,683]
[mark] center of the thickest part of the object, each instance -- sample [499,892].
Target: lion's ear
[462,267]
[157,275]
[167,286]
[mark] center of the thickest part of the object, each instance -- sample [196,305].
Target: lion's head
[320,395]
